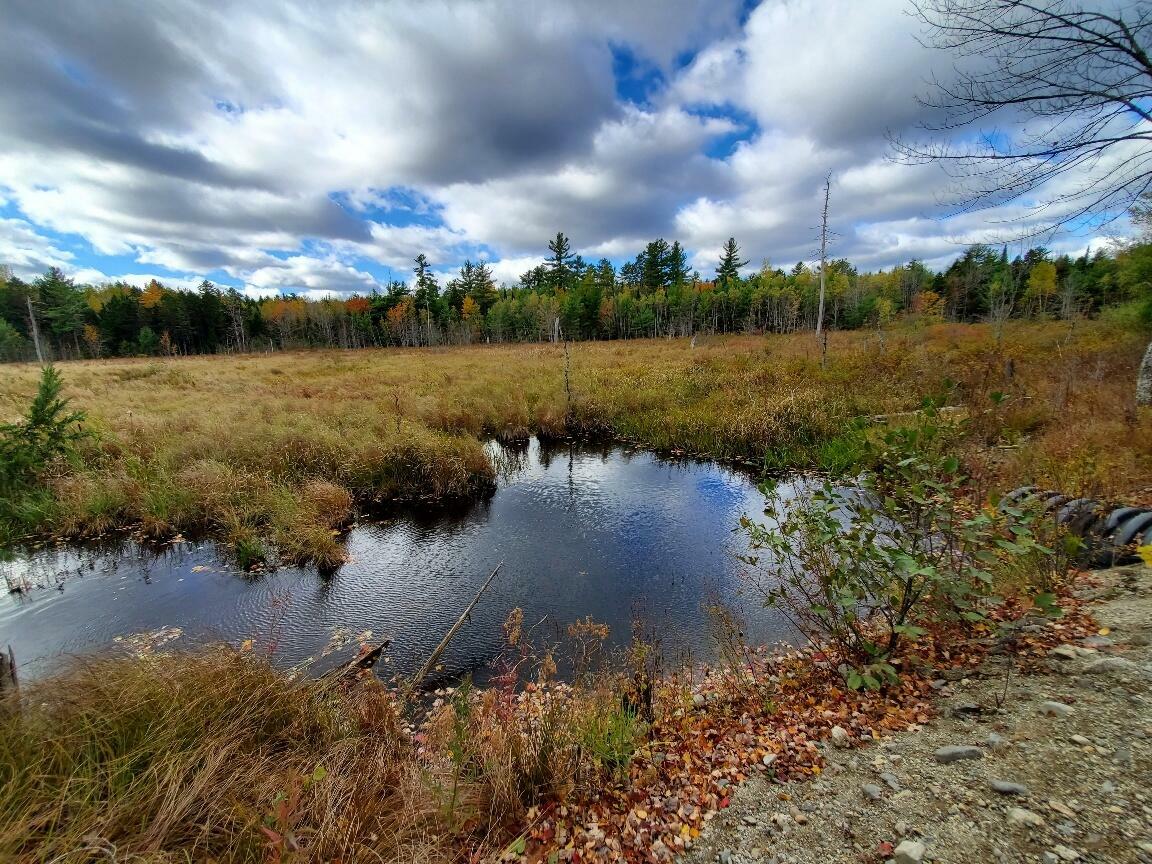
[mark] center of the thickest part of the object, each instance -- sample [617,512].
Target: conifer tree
[728,271]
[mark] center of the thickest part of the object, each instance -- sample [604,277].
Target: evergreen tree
[61,307]
[654,266]
[560,264]
[483,287]
[728,271]
[676,271]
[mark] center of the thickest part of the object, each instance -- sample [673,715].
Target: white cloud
[267,142]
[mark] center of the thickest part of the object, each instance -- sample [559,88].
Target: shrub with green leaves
[864,568]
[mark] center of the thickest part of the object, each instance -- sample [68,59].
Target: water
[616,534]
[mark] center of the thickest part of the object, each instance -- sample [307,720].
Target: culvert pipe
[1112,533]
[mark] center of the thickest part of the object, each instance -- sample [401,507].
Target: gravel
[1092,792]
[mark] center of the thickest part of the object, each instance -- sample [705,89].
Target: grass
[275,449]
[216,755]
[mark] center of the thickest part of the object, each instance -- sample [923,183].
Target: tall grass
[231,444]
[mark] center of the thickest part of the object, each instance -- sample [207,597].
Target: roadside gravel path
[1062,772]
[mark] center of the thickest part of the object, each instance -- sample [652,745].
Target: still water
[616,534]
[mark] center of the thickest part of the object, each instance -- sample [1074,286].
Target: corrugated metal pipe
[1112,532]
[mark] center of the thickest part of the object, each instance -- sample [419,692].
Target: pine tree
[655,266]
[61,307]
[677,268]
[560,264]
[728,271]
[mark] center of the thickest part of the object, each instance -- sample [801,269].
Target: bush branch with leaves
[866,567]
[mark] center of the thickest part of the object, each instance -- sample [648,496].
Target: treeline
[653,295]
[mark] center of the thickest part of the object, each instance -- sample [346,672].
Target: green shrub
[864,569]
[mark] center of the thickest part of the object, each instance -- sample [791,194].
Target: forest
[564,297]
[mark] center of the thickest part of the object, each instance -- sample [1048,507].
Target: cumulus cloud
[284,149]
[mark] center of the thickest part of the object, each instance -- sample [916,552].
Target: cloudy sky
[319,146]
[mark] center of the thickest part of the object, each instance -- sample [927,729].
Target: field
[275,449]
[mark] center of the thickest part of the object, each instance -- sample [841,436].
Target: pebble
[1064,652]
[901,828]
[724,856]
[1111,664]
[871,791]
[840,737]
[1080,740]
[1066,854]
[1020,816]
[769,758]
[997,741]
[1006,787]
[1054,709]
[956,752]
[892,780]
[1050,858]
[1098,642]
[909,852]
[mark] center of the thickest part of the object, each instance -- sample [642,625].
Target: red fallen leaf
[723,803]
[885,848]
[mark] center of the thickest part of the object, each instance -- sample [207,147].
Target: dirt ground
[1060,772]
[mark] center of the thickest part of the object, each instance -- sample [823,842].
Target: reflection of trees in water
[508,458]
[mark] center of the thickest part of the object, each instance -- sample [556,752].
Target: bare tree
[1058,93]
[1072,83]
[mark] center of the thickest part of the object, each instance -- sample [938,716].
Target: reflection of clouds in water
[581,531]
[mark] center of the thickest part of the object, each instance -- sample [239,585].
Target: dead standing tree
[1059,93]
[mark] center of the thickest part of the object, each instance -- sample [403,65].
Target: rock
[724,856]
[1079,740]
[769,758]
[1006,787]
[1112,664]
[1066,854]
[1025,818]
[1064,652]
[1050,858]
[1097,642]
[901,828]
[892,780]
[698,700]
[997,742]
[957,752]
[909,852]
[1107,788]
[871,791]
[1054,709]
[840,737]
[967,709]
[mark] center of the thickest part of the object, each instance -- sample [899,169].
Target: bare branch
[1066,92]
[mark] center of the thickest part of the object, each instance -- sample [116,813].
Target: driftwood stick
[430,663]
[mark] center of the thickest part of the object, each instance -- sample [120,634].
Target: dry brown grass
[233,444]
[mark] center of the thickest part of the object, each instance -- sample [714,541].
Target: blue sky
[257,146]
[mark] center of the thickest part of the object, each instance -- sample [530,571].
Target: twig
[435,655]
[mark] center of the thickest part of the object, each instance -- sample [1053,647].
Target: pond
[616,534]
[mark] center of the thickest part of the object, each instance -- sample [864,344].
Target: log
[430,663]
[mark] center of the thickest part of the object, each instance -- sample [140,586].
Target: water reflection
[601,531]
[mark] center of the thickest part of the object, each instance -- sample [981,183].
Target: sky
[318,147]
